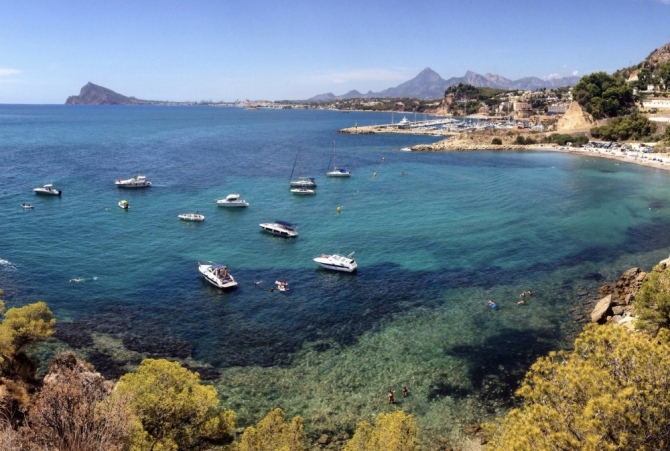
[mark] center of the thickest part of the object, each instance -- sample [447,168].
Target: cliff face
[97,95]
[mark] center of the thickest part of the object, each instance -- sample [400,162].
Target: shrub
[497,141]
[652,302]
[633,127]
[395,431]
[602,95]
[272,433]
[610,393]
[562,140]
[175,409]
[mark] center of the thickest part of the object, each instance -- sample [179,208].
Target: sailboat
[337,172]
[299,181]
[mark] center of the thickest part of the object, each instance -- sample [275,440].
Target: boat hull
[338,174]
[332,267]
[303,191]
[337,263]
[278,231]
[124,206]
[44,192]
[133,185]
[303,183]
[197,218]
[231,204]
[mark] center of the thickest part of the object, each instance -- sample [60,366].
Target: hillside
[92,94]
[428,84]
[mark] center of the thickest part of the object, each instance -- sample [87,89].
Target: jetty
[426,127]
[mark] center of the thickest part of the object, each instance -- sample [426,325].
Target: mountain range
[429,85]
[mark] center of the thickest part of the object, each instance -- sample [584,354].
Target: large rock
[575,119]
[602,308]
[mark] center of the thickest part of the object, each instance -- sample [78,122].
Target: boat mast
[332,156]
[294,163]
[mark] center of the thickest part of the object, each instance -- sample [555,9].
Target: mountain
[92,94]
[429,85]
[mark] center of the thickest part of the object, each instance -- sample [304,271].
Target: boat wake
[81,279]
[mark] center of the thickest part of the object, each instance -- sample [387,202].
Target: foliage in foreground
[272,433]
[176,411]
[635,126]
[562,139]
[395,431]
[611,393]
[652,302]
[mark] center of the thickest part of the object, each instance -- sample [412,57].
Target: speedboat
[303,191]
[280,228]
[232,200]
[138,181]
[48,190]
[192,217]
[26,206]
[124,204]
[282,285]
[406,149]
[337,262]
[217,275]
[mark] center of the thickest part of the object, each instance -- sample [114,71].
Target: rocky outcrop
[617,303]
[575,119]
[92,94]
[67,365]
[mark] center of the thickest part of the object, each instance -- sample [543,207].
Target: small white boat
[26,206]
[124,204]
[303,191]
[337,262]
[282,285]
[300,181]
[280,228]
[192,217]
[48,190]
[404,124]
[232,200]
[217,275]
[406,149]
[337,172]
[138,181]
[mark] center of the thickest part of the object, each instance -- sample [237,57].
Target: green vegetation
[610,393]
[391,432]
[272,433]
[520,139]
[471,98]
[176,411]
[496,141]
[652,302]
[563,139]
[603,95]
[20,327]
[635,126]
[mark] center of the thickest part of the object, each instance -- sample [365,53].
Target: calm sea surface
[433,245]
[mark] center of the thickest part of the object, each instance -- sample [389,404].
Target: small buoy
[375,174]
[339,209]
[383,158]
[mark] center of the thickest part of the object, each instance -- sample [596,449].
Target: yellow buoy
[339,209]
[375,174]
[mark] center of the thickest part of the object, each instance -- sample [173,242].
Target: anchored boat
[217,275]
[48,190]
[138,181]
[281,228]
[232,200]
[337,262]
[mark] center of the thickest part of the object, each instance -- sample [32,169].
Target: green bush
[603,95]
[496,141]
[562,139]
[633,127]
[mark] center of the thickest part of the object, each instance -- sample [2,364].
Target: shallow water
[432,246]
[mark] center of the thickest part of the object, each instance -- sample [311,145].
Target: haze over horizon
[280,50]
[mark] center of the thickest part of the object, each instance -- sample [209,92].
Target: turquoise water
[433,245]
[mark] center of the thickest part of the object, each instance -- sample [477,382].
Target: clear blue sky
[239,49]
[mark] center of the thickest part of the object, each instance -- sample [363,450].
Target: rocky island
[92,94]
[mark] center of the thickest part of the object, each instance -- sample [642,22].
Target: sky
[251,49]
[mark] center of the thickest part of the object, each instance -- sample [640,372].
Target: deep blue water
[432,246]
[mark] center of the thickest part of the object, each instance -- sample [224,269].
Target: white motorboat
[404,124]
[232,200]
[337,172]
[192,217]
[124,204]
[48,190]
[406,149]
[280,228]
[217,275]
[303,191]
[138,181]
[300,181]
[282,285]
[337,262]
[26,206]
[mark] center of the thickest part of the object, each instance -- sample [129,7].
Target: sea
[435,236]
